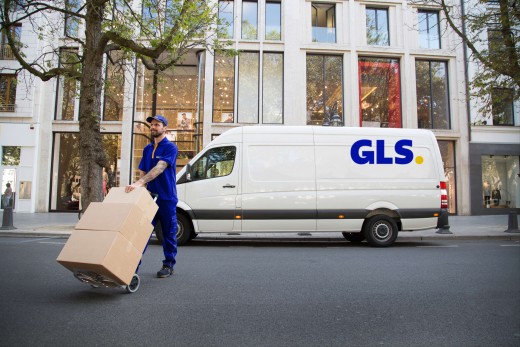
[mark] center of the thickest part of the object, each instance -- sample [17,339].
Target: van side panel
[360,173]
[278,183]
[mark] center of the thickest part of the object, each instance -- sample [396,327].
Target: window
[272,88]
[11,155]
[324,89]
[224,89]
[499,181]
[217,162]
[273,21]
[379,93]
[323,22]
[7,93]
[67,86]
[66,178]
[71,22]
[248,84]
[114,87]
[6,52]
[249,20]
[429,34]
[377,26]
[433,109]
[157,16]
[447,149]
[502,106]
[225,15]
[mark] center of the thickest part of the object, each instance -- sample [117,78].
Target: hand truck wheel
[134,284]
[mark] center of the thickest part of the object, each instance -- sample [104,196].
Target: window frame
[12,82]
[428,14]
[377,9]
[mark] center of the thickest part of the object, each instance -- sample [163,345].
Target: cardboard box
[125,218]
[107,253]
[139,196]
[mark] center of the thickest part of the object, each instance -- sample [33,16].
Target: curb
[290,238]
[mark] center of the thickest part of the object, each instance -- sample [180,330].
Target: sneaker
[165,271]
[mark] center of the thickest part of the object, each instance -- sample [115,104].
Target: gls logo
[403,153]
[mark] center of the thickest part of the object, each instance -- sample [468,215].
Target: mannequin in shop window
[496,196]
[486,187]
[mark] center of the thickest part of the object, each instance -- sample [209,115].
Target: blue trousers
[167,215]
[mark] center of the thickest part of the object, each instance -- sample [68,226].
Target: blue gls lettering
[366,157]
[380,150]
[405,153]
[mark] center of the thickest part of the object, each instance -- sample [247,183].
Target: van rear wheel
[380,231]
[354,237]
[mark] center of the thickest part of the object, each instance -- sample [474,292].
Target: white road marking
[448,246]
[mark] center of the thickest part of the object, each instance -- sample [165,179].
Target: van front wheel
[184,229]
[380,231]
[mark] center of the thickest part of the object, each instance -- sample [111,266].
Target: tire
[354,237]
[380,231]
[134,284]
[184,229]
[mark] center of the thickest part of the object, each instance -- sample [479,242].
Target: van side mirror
[188,172]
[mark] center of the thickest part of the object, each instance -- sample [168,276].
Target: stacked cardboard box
[111,235]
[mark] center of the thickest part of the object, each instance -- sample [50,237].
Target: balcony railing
[6,53]
[7,108]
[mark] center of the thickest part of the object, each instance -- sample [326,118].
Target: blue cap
[159,118]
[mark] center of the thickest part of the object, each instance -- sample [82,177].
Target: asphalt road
[449,293]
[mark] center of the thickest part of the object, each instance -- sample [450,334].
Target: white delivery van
[367,183]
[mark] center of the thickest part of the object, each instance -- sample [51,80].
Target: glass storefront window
[324,89]
[272,88]
[114,87]
[273,20]
[249,20]
[500,188]
[224,89]
[447,149]
[433,109]
[225,15]
[379,93]
[176,99]
[67,86]
[66,175]
[323,22]
[248,89]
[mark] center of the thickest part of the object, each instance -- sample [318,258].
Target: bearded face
[157,128]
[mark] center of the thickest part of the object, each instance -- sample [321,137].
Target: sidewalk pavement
[55,224]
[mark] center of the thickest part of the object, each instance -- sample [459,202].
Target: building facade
[349,63]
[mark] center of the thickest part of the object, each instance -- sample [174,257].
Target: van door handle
[228,186]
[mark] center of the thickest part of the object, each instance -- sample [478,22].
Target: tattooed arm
[151,175]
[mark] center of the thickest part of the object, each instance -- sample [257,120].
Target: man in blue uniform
[157,173]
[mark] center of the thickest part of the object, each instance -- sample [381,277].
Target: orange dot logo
[419,160]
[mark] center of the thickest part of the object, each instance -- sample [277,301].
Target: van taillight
[444,195]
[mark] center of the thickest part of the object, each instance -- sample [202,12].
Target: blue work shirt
[164,184]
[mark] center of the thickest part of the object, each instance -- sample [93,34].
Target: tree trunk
[92,156]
